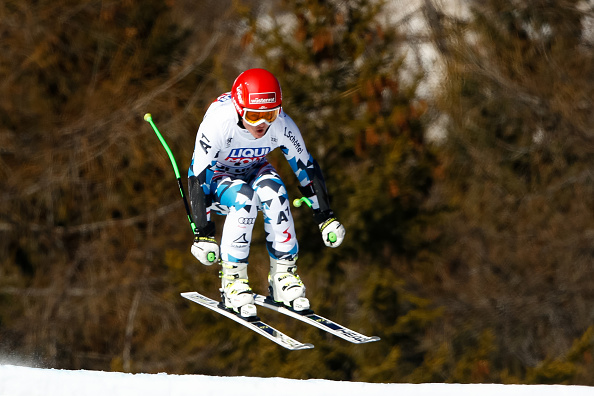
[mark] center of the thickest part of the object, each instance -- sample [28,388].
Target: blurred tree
[517,175]
[87,193]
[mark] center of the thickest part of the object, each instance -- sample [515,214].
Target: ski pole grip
[332,237]
[299,201]
[211,256]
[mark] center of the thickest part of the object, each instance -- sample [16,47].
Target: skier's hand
[205,249]
[332,232]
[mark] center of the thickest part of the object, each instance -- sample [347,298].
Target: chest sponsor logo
[242,156]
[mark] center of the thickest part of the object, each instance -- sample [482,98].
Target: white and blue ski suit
[230,175]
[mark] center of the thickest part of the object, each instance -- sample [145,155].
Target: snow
[25,381]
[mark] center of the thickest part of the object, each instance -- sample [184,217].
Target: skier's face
[257,131]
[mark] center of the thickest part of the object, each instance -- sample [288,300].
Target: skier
[230,175]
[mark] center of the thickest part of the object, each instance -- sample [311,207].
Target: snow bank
[24,381]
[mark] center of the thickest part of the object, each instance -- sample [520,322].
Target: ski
[253,323]
[316,320]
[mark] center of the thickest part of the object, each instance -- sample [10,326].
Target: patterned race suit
[229,166]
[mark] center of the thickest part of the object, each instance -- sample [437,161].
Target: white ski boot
[286,286]
[237,293]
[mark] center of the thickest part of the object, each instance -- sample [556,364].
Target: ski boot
[236,292]
[285,286]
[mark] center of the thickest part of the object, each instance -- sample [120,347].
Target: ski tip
[300,347]
[363,339]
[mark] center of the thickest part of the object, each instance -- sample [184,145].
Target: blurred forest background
[457,144]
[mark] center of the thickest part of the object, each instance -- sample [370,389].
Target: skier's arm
[332,230]
[205,247]
[316,191]
[312,184]
[199,204]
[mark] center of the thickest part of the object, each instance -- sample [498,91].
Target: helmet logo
[239,95]
[262,98]
[238,108]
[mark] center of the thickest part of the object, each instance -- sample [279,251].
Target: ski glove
[206,250]
[205,247]
[332,232]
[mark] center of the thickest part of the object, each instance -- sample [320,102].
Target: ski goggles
[256,117]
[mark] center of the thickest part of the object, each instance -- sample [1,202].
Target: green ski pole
[148,118]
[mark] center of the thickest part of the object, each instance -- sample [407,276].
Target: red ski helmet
[256,89]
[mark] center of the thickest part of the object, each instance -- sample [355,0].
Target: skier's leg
[237,293]
[238,200]
[281,241]
[285,284]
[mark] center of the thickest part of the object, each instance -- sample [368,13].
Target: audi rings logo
[247,220]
